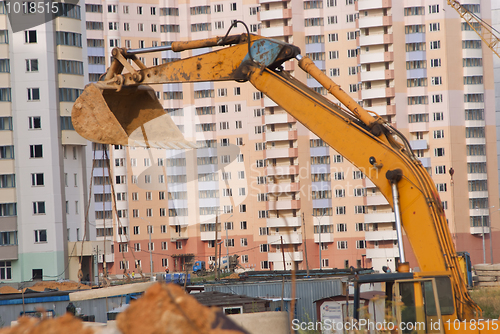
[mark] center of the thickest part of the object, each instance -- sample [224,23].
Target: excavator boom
[361,137]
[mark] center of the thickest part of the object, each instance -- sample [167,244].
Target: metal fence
[306,292]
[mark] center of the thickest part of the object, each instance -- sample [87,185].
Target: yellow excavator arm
[363,138]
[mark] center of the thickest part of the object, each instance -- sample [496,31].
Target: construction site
[234,182]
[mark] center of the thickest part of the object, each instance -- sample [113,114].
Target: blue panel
[313,83]
[318,186]
[315,47]
[320,169]
[206,152]
[203,85]
[416,73]
[34,300]
[415,38]
[322,203]
[415,55]
[319,151]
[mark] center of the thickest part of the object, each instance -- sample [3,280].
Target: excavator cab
[412,305]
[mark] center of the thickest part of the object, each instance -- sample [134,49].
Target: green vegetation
[489,301]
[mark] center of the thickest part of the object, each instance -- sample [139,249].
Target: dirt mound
[168,309]
[61,286]
[233,276]
[8,289]
[62,325]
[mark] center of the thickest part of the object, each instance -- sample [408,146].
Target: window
[243,225]
[340,210]
[436,81]
[178,245]
[438,116]
[436,45]
[341,244]
[30,36]
[439,152]
[434,26]
[441,187]
[331,3]
[361,227]
[435,62]
[153,10]
[36,151]
[360,244]
[263,214]
[433,9]
[264,264]
[243,242]
[33,94]
[38,208]
[440,169]
[6,270]
[438,134]
[233,6]
[437,98]
[69,38]
[339,193]
[332,55]
[342,227]
[352,53]
[40,236]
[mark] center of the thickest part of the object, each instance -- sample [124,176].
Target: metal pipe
[151,49]
[397,214]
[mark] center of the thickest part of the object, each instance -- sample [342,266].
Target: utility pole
[150,227]
[215,246]
[305,243]
[227,245]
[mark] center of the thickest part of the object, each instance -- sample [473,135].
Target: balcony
[477,176]
[376,57]
[284,222]
[376,200]
[279,118]
[71,137]
[372,253]
[426,162]
[283,205]
[387,217]
[478,230]
[276,31]
[384,110]
[476,158]
[475,141]
[9,252]
[183,235]
[419,127]
[372,4]
[289,256]
[179,220]
[274,153]
[377,93]
[325,237]
[282,170]
[283,187]
[281,135]
[377,39]
[109,258]
[377,75]
[477,194]
[374,21]
[288,238]
[381,235]
[275,14]
[419,144]
[209,236]
[475,124]
[268,103]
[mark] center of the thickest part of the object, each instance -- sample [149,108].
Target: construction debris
[488,275]
[62,325]
[60,286]
[8,289]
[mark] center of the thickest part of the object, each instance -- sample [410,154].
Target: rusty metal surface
[133,116]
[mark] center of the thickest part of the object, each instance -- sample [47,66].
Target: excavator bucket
[132,116]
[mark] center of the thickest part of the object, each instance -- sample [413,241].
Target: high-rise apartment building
[43,161]
[263,177]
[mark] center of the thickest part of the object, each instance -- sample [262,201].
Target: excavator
[123,109]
